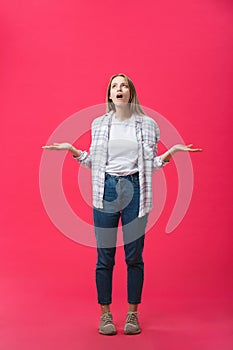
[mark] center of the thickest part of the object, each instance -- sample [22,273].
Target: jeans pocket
[110,193]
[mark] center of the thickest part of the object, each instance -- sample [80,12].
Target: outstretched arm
[65,146]
[178,148]
[82,156]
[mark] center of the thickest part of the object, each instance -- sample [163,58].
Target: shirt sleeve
[158,163]
[85,159]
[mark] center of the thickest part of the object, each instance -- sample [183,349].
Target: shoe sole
[132,332]
[103,333]
[126,333]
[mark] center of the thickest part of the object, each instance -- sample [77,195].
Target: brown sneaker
[107,326]
[131,323]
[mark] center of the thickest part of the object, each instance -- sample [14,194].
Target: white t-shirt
[122,147]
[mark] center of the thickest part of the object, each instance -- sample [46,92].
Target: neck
[123,113]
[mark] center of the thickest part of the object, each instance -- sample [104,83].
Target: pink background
[56,59]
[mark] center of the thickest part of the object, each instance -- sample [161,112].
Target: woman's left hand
[178,148]
[184,148]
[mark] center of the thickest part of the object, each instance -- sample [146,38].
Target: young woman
[122,157]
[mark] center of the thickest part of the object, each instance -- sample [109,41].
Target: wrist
[74,151]
[172,151]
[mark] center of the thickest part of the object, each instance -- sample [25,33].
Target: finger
[191,144]
[48,147]
[195,150]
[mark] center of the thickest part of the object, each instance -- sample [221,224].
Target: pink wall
[56,59]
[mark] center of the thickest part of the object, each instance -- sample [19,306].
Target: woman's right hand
[59,146]
[65,146]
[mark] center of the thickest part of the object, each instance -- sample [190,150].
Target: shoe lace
[107,318]
[132,318]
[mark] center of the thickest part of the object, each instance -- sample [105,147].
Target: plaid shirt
[148,135]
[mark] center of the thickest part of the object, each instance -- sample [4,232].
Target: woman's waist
[117,177]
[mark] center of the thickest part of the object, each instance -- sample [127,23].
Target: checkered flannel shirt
[148,135]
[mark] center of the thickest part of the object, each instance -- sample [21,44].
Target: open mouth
[119,96]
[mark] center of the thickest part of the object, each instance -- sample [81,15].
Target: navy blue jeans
[121,200]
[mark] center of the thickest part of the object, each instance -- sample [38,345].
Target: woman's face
[119,91]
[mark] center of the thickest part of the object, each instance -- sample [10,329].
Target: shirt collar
[138,117]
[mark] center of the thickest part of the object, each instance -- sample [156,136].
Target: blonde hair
[134,103]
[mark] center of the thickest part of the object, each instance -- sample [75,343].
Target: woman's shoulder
[149,121]
[100,120]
